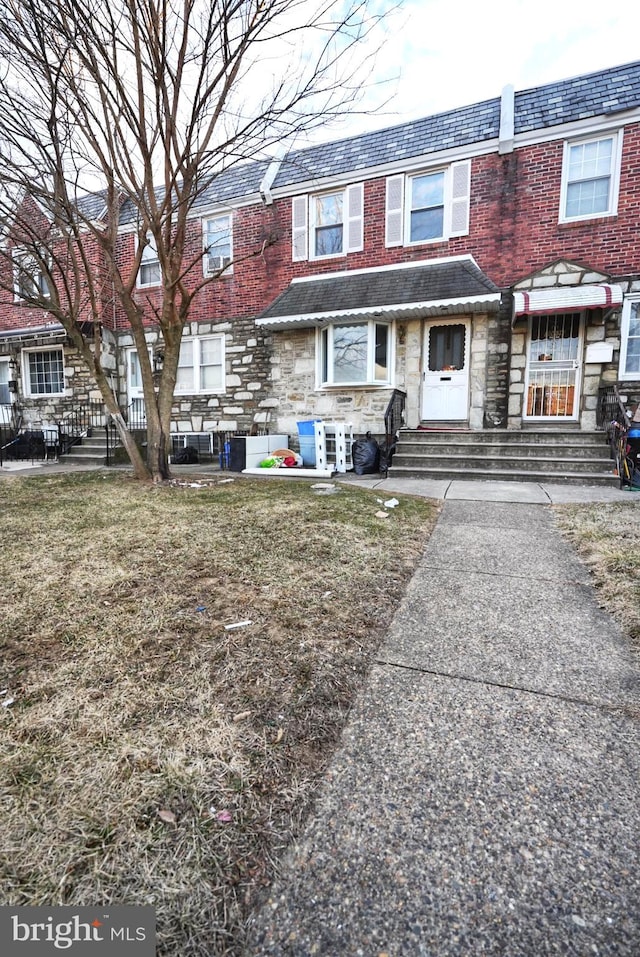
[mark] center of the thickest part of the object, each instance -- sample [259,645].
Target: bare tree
[146,102]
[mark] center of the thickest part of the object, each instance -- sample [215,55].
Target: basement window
[44,372]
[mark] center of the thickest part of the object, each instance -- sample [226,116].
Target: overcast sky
[441,54]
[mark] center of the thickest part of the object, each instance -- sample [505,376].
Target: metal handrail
[393,421]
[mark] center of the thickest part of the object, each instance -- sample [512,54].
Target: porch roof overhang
[411,291]
[567,299]
[33,334]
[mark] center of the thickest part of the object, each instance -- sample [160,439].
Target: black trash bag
[186,456]
[365,455]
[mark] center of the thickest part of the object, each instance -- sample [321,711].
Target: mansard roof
[580,98]
[565,101]
[456,128]
[602,93]
[437,287]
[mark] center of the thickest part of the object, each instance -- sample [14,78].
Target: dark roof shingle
[403,286]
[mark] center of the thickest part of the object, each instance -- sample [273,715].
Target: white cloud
[442,54]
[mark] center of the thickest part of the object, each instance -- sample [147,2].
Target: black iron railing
[393,422]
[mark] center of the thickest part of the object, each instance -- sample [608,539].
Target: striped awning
[567,299]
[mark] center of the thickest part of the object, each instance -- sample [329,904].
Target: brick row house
[483,262]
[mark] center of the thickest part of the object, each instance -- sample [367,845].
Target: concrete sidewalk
[484,800]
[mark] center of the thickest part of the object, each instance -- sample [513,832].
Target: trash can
[633,441]
[307,440]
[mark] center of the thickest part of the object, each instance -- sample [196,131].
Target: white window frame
[197,365]
[26,371]
[21,255]
[209,266]
[149,258]
[629,303]
[304,224]
[325,334]
[4,380]
[456,203]
[614,176]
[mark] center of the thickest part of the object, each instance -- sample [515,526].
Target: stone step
[553,437]
[521,450]
[506,475]
[566,456]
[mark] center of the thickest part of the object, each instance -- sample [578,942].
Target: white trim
[25,370]
[370,381]
[150,245]
[624,339]
[197,365]
[228,266]
[614,175]
[396,311]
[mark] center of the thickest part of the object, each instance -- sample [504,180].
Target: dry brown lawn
[153,756]
[150,755]
[608,538]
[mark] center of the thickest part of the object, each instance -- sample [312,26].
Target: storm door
[445,392]
[554,355]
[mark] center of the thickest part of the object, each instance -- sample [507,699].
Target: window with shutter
[328,224]
[299,209]
[428,207]
[355,218]
[460,197]
[394,213]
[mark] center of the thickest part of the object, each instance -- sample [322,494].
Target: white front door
[554,355]
[445,385]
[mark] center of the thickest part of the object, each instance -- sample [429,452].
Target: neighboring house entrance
[445,386]
[137,411]
[5,398]
[554,356]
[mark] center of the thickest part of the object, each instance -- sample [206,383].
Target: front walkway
[485,797]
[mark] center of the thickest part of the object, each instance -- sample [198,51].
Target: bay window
[356,353]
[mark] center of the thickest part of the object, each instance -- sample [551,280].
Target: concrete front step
[410,447]
[553,437]
[506,475]
[506,462]
[92,451]
[566,456]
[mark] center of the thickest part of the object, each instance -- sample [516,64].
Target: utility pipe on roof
[269,177]
[507,120]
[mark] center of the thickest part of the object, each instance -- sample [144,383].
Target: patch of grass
[151,756]
[608,538]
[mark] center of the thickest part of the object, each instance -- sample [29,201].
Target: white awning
[463,305]
[567,299]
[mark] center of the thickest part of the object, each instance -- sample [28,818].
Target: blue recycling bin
[307,440]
